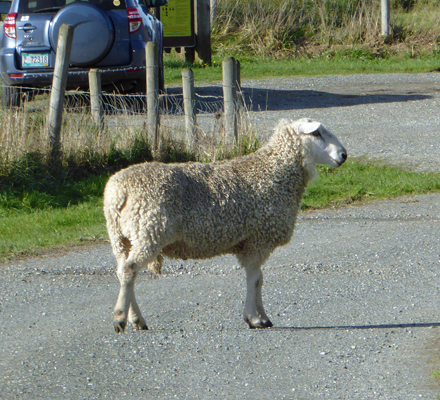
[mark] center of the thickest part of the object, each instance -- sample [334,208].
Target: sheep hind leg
[254,313]
[135,315]
[127,273]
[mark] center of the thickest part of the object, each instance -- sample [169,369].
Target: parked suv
[110,35]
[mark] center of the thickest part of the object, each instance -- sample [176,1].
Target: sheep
[246,206]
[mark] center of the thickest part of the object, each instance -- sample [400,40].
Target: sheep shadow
[359,327]
[209,99]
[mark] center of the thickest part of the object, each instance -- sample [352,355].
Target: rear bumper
[77,77]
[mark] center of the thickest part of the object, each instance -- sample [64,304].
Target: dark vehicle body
[109,35]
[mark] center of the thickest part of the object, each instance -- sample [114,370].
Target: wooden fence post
[64,49]
[213,15]
[237,73]
[152,62]
[237,76]
[95,97]
[385,9]
[203,30]
[189,106]
[230,98]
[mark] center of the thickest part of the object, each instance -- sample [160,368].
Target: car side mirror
[4,7]
[155,3]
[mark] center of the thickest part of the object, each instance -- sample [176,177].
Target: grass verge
[358,181]
[331,62]
[42,218]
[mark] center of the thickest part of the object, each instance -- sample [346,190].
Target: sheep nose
[344,156]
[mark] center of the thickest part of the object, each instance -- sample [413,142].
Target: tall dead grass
[268,28]
[123,137]
[25,131]
[290,27]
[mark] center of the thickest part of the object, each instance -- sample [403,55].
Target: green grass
[50,216]
[356,181]
[342,62]
[29,232]
[41,211]
[435,374]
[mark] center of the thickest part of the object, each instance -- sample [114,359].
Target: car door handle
[27,28]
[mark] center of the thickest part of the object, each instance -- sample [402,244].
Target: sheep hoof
[140,324]
[119,326]
[268,324]
[260,324]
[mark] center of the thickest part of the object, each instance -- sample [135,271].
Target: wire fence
[124,121]
[73,122]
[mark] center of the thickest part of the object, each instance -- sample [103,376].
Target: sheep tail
[115,199]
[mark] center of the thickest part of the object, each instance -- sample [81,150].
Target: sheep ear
[308,127]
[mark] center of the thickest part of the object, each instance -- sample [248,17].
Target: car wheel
[94,33]
[11,96]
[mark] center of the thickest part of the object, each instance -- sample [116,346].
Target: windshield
[41,6]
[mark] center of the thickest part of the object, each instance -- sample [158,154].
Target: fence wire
[124,120]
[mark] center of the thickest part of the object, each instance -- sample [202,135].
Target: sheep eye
[316,134]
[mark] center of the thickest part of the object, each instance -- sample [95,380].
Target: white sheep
[246,206]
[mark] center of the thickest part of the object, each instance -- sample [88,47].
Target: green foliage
[38,189]
[117,158]
[358,182]
[405,5]
[31,183]
[399,32]
[173,152]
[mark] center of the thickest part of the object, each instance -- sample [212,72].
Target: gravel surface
[385,117]
[354,297]
[389,117]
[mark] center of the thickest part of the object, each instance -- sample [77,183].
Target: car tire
[11,96]
[87,19]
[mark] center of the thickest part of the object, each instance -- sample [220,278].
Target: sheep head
[322,146]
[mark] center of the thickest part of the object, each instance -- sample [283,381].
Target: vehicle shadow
[359,327]
[209,99]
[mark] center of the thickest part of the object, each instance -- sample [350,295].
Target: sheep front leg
[254,313]
[260,308]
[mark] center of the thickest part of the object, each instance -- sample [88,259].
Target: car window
[42,6]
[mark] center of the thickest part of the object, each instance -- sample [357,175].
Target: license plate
[31,60]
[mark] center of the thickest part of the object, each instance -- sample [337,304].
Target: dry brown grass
[83,142]
[286,28]
[25,131]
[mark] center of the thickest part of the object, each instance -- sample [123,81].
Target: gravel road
[354,297]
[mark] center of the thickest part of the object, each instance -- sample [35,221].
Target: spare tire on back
[93,36]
